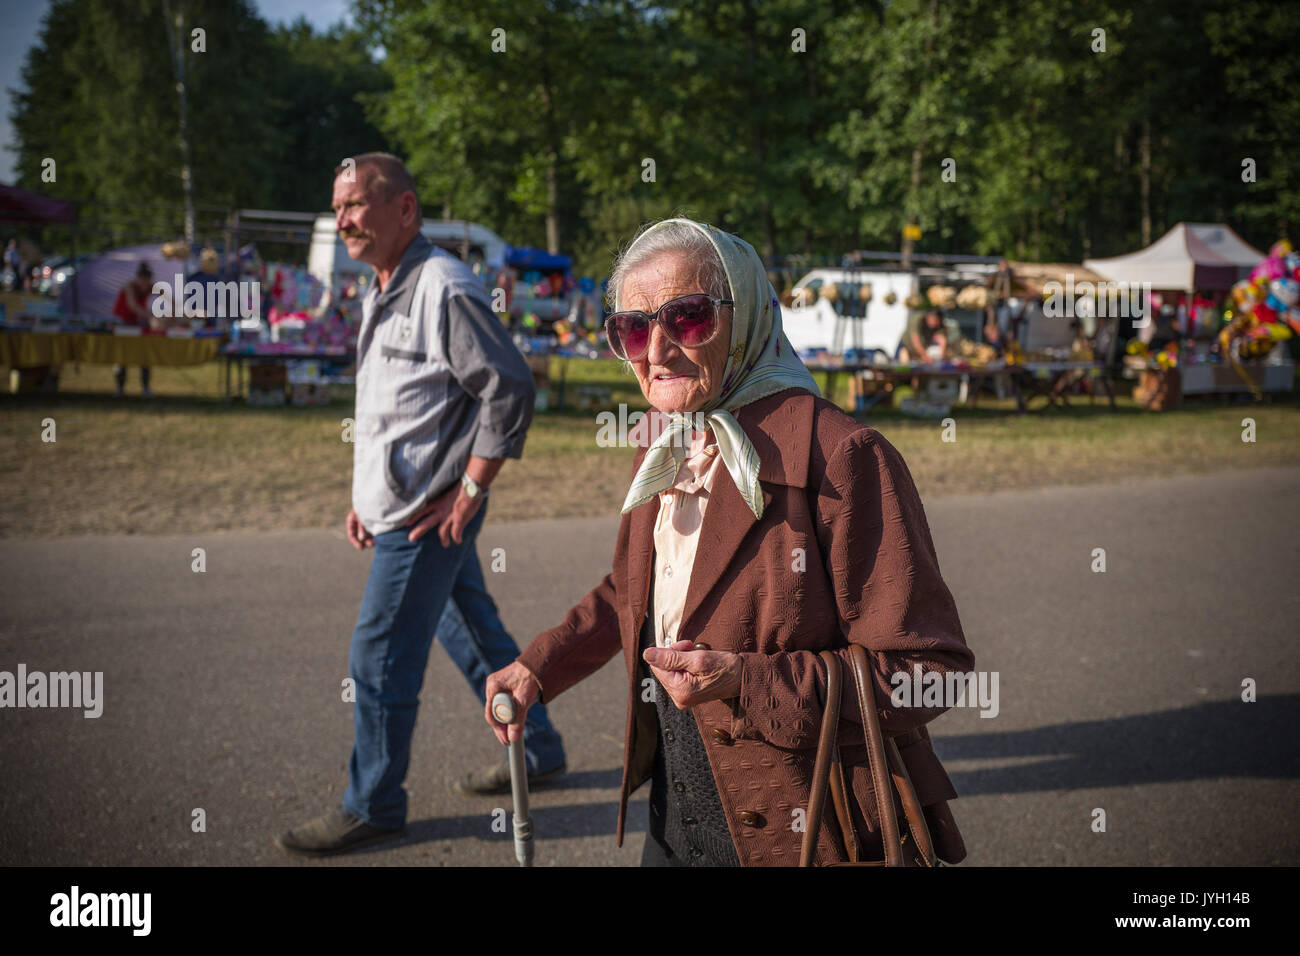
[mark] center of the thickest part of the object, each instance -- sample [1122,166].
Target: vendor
[1166,329]
[208,274]
[929,340]
[1000,285]
[14,261]
[132,308]
[994,338]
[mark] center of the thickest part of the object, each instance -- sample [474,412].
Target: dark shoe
[496,780]
[336,832]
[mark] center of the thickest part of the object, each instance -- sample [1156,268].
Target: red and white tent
[1190,256]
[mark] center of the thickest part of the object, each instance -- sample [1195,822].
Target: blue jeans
[412,588]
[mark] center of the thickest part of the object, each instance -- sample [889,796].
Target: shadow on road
[1216,740]
[589,780]
[1204,742]
[549,823]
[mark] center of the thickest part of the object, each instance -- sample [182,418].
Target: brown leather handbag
[910,848]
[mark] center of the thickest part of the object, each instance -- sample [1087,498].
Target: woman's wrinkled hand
[517,681]
[692,677]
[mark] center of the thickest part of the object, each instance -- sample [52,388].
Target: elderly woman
[763,528]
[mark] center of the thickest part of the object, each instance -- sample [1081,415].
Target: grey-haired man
[442,399]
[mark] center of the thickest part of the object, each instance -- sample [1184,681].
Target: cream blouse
[677,531]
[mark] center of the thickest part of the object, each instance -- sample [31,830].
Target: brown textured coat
[839,497]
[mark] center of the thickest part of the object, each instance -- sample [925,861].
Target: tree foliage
[1043,129]
[271,112]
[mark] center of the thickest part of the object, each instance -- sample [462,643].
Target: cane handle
[503,708]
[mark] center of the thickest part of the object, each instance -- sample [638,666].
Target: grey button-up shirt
[438,379]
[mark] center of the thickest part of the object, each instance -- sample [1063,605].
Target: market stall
[285,374]
[547,353]
[540,287]
[92,291]
[37,339]
[302,344]
[1189,257]
[940,385]
[35,349]
[1065,333]
[1242,350]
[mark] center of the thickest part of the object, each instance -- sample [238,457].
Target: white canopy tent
[1190,256]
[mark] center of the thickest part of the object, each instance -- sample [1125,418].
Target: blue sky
[20,21]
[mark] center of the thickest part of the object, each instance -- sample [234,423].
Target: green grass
[185,461]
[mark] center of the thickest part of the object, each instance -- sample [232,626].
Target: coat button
[696,852]
[679,787]
[749,818]
[669,736]
[701,646]
[690,821]
[721,736]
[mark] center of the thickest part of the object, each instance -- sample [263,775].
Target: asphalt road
[1119,691]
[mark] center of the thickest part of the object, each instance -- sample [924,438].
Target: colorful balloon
[1286,291]
[1263,312]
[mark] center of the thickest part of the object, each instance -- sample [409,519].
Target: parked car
[46,272]
[55,271]
[548,296]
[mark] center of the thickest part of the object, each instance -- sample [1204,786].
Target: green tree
[488,105]
[910,62]
[318,84]
[99,98]
[1258,43]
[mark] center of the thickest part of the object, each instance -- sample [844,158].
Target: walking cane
[503,709]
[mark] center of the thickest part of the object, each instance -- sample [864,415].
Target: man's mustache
[351,234]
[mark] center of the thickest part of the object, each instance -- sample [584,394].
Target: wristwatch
[472,487]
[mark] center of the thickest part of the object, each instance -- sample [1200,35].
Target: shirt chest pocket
[391,354]
[402,342]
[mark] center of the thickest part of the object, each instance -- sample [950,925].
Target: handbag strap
[887,772]
[881,779]
[916,822]
[826,751]
[902,780]
[839,799]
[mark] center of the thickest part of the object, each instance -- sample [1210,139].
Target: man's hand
[517,681]
[358,536]
[451,512]
[694,677]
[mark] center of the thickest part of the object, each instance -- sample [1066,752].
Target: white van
[328,258]
[813,326]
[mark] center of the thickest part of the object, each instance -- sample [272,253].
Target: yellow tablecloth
[32,349]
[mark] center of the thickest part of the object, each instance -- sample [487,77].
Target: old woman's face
[674,378]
